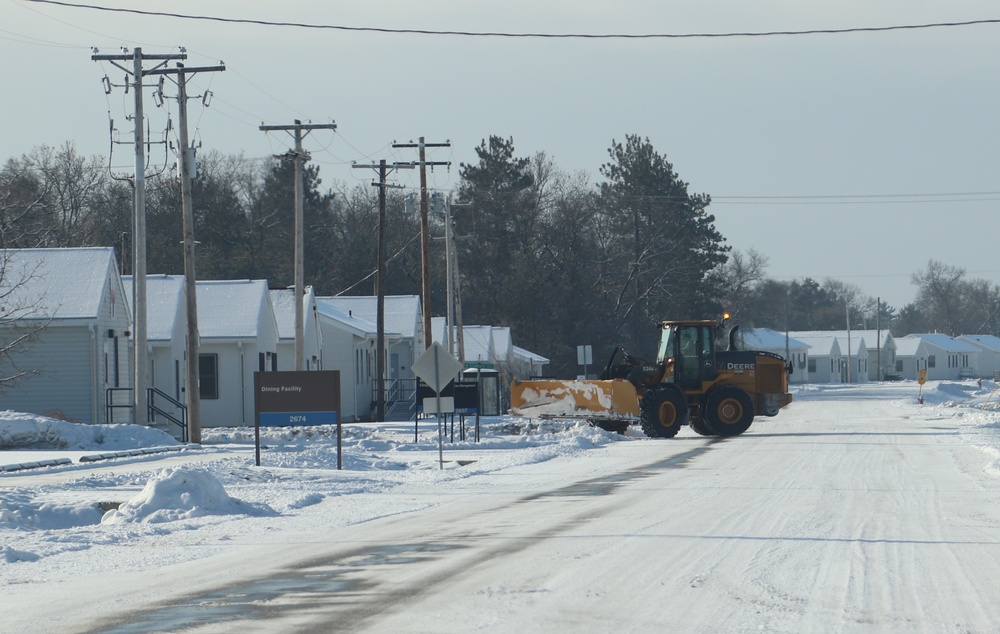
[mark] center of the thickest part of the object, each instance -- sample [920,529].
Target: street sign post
[437,369]
[585,357]
[296,398]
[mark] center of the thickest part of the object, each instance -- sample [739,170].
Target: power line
[566,36]
[821,196]
[873,200]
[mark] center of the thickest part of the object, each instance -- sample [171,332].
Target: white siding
[339,354]
[228,409]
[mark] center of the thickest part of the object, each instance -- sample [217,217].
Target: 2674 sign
[297,398]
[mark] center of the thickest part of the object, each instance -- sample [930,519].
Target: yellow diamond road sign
[436,367]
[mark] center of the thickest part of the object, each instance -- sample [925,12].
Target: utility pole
[878,336]
[299,156]
[380,284]
[139,327]
[187,170]
[454,309]
[847,310]
[425,274]
[457,286]
[449,249]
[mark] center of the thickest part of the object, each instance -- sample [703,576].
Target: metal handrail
[397,390]
[181,422]
[152,408]
[110,406]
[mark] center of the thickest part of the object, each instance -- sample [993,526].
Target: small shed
[71,306]
[349,345]
[911,357]
[166,331]
[825,361]
[988,359]
[947,357]
[881,348]
[853,351]
[403,317]
[239,336]
[166,334]
[527,364]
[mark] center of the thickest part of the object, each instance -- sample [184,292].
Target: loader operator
[688,367]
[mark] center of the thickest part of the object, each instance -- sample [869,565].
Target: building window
[208,376]
[812,366]
[931,361]
[899,365]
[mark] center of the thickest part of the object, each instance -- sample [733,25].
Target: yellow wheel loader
[716,392]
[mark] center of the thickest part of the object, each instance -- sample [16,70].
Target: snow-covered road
[855,510]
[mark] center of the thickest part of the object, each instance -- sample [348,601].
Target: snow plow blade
[542,398]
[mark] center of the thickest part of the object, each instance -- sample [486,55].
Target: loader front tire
[663,411]
[729,411]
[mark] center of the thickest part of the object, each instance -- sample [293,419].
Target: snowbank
[28,431]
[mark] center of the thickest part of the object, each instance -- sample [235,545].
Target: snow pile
[180,494]
[28,431]
[565,398]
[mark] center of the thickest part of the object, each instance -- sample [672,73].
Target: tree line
[559,259]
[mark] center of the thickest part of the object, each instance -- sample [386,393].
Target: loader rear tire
[663,411]
[729,411]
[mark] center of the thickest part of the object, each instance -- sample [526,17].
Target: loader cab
[688,349]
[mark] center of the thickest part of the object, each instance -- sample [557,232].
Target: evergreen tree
[504,225]
[270,237]
[663,251]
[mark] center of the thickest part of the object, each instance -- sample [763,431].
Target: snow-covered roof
[767,339]
[945,342]
[402,312]
[485,343]
[883,336]
[824,346]
[230,308]
[352,323]
[870,336]
[856,338]
[535,359]
[908,346]
[63,283]
[164,300]
[988,342]
[283,303]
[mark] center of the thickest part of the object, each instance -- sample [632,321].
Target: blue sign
[282,419]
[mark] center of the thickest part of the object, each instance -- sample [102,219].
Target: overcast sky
[856,156]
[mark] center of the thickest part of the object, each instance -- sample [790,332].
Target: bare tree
[982,304]
[22,320]
[740,275]
[22,201]
[939,293]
